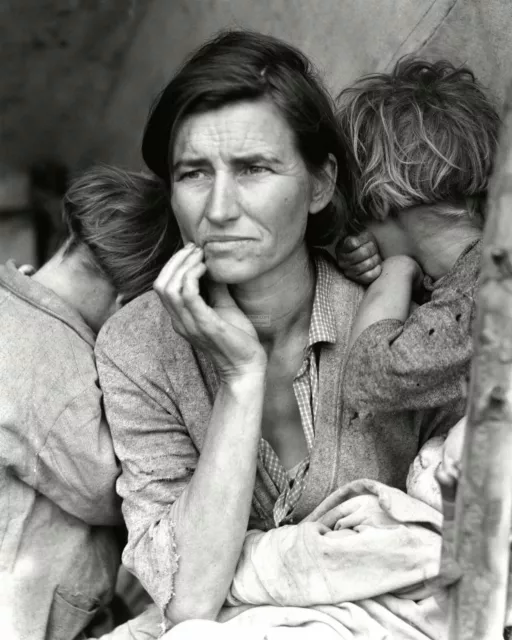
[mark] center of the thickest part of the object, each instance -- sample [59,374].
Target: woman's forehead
[242,128]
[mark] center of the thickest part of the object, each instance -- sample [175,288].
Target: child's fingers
[354,242]
[26,269]
[365,265]
[365,278]
[365,251]
[448,481]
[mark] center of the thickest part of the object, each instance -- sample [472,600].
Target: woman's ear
[324,183]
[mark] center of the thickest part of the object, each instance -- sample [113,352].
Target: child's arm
[389,296]
[76,467]
[415,363]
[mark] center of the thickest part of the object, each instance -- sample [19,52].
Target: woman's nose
[222,204]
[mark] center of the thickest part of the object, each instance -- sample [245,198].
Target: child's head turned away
[424,134]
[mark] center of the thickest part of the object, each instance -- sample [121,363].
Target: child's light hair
[122,223]
[425,133]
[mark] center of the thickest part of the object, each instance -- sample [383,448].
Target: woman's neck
[280,302]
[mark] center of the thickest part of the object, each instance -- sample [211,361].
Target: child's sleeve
[77,467]
[419,364]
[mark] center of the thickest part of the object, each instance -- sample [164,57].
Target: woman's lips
[225,244]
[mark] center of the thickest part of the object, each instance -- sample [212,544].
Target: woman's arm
[360,547]
[187,515]
[212,513]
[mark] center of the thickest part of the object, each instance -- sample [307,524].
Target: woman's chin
[229,272]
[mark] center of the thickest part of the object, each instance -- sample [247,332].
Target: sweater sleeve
[417,365]
[157,461]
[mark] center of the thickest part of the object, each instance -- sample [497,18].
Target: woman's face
[241,190]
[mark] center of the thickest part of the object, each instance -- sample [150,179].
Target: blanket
[362,565]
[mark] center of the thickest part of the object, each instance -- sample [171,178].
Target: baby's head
[421,480]
[424,134]
[439,460]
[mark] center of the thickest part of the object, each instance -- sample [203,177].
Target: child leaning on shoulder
[422,141]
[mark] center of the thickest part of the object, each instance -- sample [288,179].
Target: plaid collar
[323,326]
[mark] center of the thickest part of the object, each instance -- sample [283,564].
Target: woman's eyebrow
[238,159]
[255,158]
[191,163]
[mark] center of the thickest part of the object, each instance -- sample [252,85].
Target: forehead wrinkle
[228,135]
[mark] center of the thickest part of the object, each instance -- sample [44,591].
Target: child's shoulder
[462,279]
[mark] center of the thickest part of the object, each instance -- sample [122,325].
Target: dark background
[77,76]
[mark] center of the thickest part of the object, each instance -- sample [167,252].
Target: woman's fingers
[202,318]
[169,283]
[169,287]
[173,264]
[350,521]
[330,518]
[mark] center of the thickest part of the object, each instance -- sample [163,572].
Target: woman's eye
[255,169]
[191,175]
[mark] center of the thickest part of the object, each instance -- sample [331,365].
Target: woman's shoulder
[341,289]
[139,330]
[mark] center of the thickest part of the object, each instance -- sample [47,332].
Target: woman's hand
[359,258]
[358,511]
[221,330]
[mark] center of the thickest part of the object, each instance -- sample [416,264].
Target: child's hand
[448,472]
[447,475]
[359,258]
[26,269]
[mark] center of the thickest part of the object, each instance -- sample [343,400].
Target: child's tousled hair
[122,223]
[423,134]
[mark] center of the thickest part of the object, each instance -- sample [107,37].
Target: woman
[223,391]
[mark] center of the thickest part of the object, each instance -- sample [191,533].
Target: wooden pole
[483,507]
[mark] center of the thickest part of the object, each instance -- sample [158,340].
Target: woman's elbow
[183,609]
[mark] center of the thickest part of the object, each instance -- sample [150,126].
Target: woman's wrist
[246,380]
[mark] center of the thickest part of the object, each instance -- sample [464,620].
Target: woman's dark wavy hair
[426,133]
[243,65]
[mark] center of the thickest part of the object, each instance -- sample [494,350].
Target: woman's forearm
[212,513]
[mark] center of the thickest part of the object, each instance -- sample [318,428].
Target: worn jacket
[58,551]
